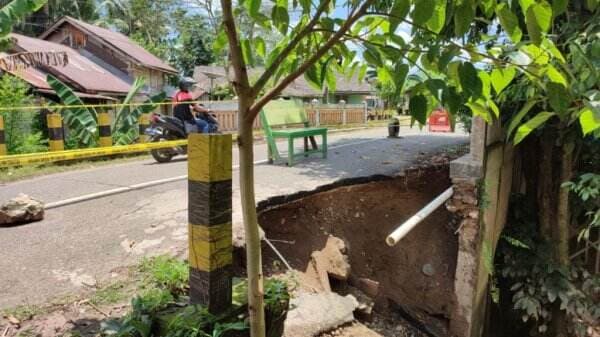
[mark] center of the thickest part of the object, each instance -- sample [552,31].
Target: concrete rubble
[22,209]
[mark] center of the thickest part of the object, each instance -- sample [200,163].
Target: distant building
[350,90]
[111,50]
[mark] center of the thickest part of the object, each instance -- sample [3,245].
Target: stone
[367,286]
[335,260]
[20,210]
[312,314]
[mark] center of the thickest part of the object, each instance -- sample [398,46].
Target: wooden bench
[287,119]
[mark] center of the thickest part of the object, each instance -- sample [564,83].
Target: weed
[166,272]
[23,312]
[113,293]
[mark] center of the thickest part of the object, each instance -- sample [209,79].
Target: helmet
[186,83]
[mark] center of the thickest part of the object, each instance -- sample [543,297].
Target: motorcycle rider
[193,115]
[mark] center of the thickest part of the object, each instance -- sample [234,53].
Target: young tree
[468,60]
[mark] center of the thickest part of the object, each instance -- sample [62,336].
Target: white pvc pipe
[411,223]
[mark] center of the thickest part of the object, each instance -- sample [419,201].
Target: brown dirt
[363,215]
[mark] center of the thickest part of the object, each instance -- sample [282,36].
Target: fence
[318,114]
[41,128]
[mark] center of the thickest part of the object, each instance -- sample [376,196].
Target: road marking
[152,183]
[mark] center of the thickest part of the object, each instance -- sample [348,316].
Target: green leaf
[509,22]
[400,73]
[81,121]
[558,97]
[399,11]
[538,19]
[247,52]
[559,7]
[220,42]
[436,87]
[589,122]
[372,55]
[469,80]
[501,78]
[516,120]
[281,18]
[532,124]
[383,75]
[253,7]
[329,76]
[486,88]
[592,4]
[555,76]
[418,108]
[260,46]
[479,109]
[16,10]
[312,77]
[423,11]
[463,17]
[438,17]
[451,99]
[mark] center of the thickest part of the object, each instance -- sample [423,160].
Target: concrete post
[366,112]
[56,133]
[104,129]
[2,137]
[143,122]
[315,103]
[344,112]
[209,216]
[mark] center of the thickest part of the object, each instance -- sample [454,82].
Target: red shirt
[182,96]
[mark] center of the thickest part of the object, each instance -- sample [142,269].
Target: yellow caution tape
[53,107]
[49,157]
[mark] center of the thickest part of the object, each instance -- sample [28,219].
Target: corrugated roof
[83,73]
[118,41]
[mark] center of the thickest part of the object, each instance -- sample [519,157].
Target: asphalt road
[80,246]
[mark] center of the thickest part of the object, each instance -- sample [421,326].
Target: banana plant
[127,116]
[81,121]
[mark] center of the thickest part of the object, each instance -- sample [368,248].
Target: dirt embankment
[416,276]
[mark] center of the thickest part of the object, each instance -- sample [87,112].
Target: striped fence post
[315,104]
[2,137]
[56,133]
[104,129]
[143,123]
[209,217]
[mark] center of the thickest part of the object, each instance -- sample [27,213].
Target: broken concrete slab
[334,256]
[20,210]
[312,314]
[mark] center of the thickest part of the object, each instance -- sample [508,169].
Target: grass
[24,312]
[113,293]
[12,174]
[165,272]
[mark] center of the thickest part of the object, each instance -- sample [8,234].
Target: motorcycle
[166,128]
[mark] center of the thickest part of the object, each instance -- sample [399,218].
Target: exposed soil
[416,277]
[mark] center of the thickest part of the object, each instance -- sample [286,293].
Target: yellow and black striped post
[104,129]
[2,137]
[143,122]
[209,216]
[56,140]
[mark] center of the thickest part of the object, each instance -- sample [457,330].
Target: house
[88,79]
[352,91]
[111,50]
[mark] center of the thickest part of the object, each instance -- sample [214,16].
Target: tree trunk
[561,230]
[546,192]
[253,253]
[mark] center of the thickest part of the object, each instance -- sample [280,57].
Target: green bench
[288,120]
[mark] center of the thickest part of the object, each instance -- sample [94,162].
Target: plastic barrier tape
[49,157]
